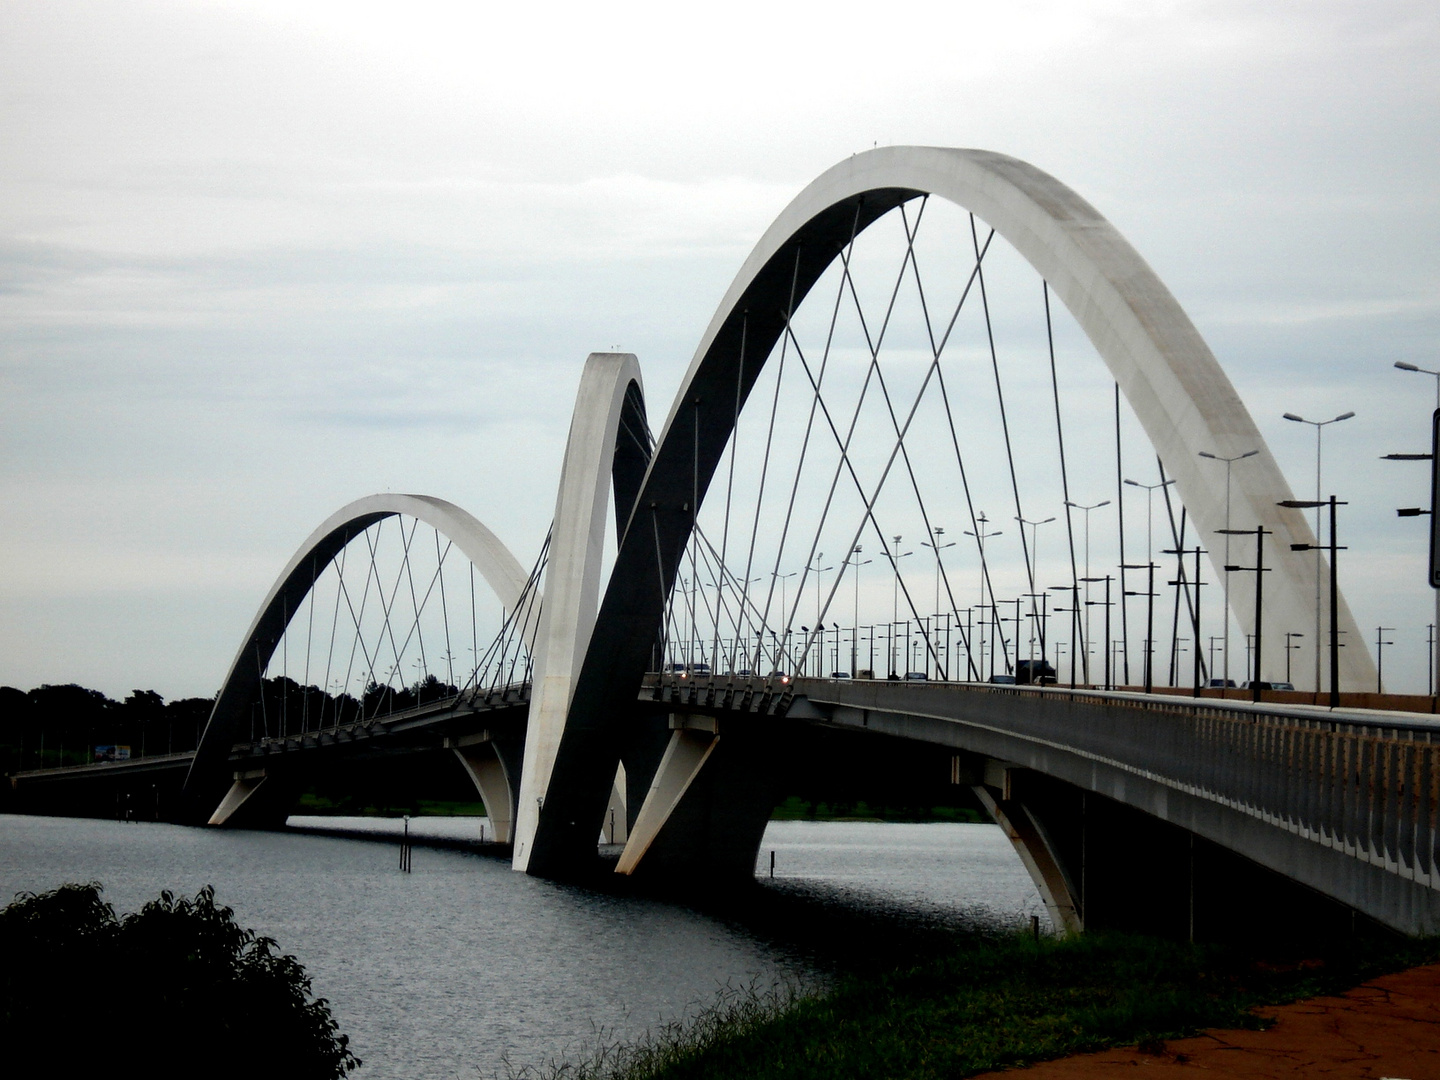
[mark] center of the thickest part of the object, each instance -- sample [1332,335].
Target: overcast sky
[259,259]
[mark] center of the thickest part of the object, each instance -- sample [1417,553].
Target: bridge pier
[707,806]
[1123,869]
[257,799]
[491,764]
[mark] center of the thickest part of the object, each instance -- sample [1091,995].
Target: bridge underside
[1189,844]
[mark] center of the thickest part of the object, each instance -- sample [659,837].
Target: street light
[1085,665]
[1319,426]
[1288,649]
[1259,570]
[1149,515]
[854,561]
[937,547]
[895,557]
[1030,570]
[1334,548]
[981,534]
[1229,461]
[1380,644]
[1433,663]
[1149,568]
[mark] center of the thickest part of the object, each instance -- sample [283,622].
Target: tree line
[52,726]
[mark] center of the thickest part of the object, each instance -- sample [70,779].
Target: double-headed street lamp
[1149,567]
[1433,663]
[1334,548]
[1085,666]
[895,556]
[1031,569]
[937,547]
[1259,570]
[1319,426]
[1229,462]
[854,560]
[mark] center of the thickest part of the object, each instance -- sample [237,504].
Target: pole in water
[772,862]
[405,847]
[1035,927]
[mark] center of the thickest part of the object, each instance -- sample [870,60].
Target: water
[463,964]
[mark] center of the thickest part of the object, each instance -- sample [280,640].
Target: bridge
[888,362]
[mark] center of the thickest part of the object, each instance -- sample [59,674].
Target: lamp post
[1288,649]
[981,534]
[1180,554]
[820,571]
[1319,426]
[1259,570]
[1432,677]
[1031,569]
[1380,644]
[854,560]
[1334,548]
[1085,661]
[1107,579]
[1149,619]
[895,557]
[1229,462]
[1073,610]
[937,547]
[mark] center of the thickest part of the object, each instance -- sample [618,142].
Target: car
[916,676]
[701,671]
[1003,680]
[743,672]
[1269,685]
[864,673]
[1218,683]
[840,675]
[1039,672]
[780,675]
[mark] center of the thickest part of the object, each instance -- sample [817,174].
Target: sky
[260,259]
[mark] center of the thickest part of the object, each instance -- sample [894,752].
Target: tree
[177,988]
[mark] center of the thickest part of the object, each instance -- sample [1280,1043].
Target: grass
[797,809]
[311,803]
[986,1003]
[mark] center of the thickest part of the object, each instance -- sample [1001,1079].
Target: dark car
[916,676]
[1003,680]
[1217,683]
[1039,672]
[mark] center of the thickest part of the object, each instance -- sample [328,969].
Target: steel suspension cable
[1064,487]
[1120,515]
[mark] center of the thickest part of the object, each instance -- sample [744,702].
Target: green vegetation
[797,809]
[313,803]
[175,989]
[986,1003]
[52,726]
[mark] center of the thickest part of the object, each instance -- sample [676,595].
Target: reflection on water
[463,964]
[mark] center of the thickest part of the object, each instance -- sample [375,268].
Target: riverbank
[993,1003]
[1386,1027]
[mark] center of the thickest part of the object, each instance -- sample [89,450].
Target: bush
[176,988]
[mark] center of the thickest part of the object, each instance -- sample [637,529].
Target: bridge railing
[1366,784]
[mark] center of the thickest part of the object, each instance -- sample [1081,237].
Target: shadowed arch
[208,774]
[1174,384]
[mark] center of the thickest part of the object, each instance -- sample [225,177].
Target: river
[463,966]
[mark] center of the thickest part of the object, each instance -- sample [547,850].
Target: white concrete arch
[573,575]
[496,564]
[1174,384]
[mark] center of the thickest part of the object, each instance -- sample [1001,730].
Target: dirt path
[1389,1027]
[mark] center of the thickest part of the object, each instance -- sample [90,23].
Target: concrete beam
[692,742]
[573,575]
[1037,853]
[487,770]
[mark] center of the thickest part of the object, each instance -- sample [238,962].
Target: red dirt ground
[1389,1027]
